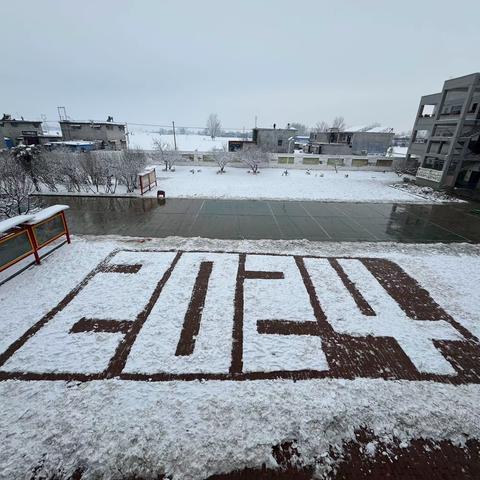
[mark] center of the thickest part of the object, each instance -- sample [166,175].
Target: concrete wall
[298,161]
[371,142]
[352,143]
[112,134]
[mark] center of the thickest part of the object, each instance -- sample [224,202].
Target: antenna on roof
[62,113]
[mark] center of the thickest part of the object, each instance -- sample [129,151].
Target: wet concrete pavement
[268,219]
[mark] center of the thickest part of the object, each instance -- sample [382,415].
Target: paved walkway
[266,219]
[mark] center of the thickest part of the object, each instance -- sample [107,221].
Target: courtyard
[190,357]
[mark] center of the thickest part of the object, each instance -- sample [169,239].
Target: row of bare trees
[25,170]
[250,155]
[214,127]
[338,124]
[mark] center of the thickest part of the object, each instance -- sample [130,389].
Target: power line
[169,125]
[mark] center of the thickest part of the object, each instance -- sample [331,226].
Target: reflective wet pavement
[268,219]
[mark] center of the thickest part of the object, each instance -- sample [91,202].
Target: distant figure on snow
[192,171]
[307,172]
[285,172]
[346,175]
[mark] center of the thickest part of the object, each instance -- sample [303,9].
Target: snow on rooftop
[380,130]
[369,129]
[52,133]
[74,142]
[46,213]
[10,223]
[399,151]
[91,122]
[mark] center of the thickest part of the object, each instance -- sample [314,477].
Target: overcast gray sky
[156,61]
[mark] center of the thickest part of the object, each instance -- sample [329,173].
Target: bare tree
[30,157]
[93,167]
[131,163]
[301,128]
[339,123]
[253,157]
[321,127]
[109,162]
[222,157]
[16,185]
[214,127]
[165,154]
[70,173]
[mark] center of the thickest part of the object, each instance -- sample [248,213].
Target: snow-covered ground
[201,383]
[144,138]
[270,184]
[344,186]
[427,192]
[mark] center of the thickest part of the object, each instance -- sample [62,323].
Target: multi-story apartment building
[445,138]
[108,135]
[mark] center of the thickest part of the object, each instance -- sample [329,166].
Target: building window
[427,111]
[444,131]
[473,108]
[420,136]
[439,147]
[433,163]
[456,109]
[280,143]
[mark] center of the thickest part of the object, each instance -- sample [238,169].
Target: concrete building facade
[271,140]
[108,135]
[352,141]
[446,135]
[275,140]
[14,132]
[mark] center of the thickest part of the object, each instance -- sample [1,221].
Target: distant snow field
[203,143]
[236,183]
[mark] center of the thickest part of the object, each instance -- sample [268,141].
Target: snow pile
[427,193]
[189,428]
[45,213]
[10,223]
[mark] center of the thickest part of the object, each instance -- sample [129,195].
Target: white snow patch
[46,213]
[10,223]
[236,183]
[144,139]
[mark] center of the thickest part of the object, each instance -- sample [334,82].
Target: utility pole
[174,137]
